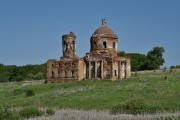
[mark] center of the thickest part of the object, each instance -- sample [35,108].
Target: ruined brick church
[101,63]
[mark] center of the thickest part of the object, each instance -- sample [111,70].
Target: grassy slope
[152,87]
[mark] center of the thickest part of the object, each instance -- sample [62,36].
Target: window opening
[104,44]
[65,74]
[52,74]
[73,74]
[114,45]
[95,45]
[73,46]
[65,46]
[115,72]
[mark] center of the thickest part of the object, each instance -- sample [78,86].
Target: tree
[138,61]
[121,53]
[155,58]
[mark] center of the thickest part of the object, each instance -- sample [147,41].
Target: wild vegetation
[7,113]
[146,92]
[152,61]
[10,73]
[173,67]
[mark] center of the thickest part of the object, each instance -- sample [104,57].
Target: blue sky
[31,30]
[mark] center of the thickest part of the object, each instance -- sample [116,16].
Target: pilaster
[119,70]
[95,70]
[89,70]
[102,70]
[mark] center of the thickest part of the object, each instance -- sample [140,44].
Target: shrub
[29,92]
[7,114]
[50,112]
[17,92]
[28,112]
[134,106]
[168,118]
[19,78]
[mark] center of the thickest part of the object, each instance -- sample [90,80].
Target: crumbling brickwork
[101,62]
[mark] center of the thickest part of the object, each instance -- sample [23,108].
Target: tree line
[150,61]
[176,66]
[20,73]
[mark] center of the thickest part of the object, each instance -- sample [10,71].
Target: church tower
[69,45]
[104,40]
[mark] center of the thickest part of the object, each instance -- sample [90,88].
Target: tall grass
[156,88]
[134,106]
[28,112]
[8,114]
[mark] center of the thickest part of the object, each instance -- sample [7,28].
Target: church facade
[102,62]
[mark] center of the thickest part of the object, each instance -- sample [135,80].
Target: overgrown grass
[168,118]
[28,112]
[8,114]
[50,112]
[134,106]
[151,87]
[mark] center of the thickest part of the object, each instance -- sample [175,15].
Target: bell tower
[69,45]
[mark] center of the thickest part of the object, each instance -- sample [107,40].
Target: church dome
[104,31]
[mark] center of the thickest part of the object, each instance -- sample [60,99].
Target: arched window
[60,74]
[73,74]
[73,64]
[91,46]
[73,46]
[64,46]
[104,44]
[65,74]
[52,74]
[115,72]
[95,45]
[114,45]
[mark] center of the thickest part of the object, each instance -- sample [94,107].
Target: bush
[7,114]
[19,78]
[28,112]
[29,93]
[134,106]
[169,118]
[50,112]
[17,92]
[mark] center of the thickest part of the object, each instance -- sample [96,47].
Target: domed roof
[104,31]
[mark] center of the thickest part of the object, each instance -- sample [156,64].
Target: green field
[157,88]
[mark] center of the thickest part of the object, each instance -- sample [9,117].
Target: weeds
[28,112]
[134,106]
[160,88]
[50,112]
[7,114]
[29,93]
[17,92]
[169,118]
